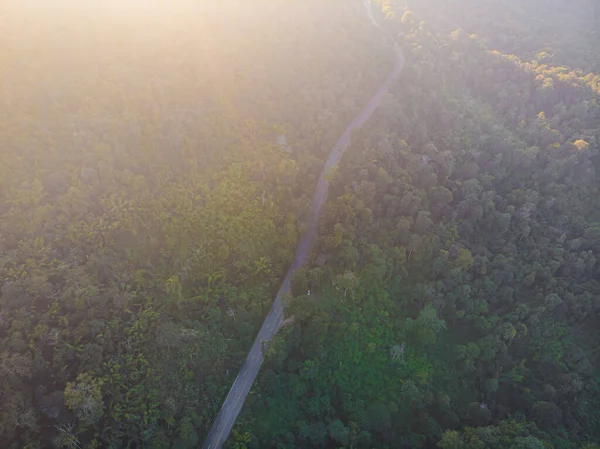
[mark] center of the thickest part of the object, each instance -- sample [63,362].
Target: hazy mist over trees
[157,166]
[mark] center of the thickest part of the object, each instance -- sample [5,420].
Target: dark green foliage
[148,212]
[465,215]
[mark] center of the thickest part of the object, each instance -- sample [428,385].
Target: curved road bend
[241,386]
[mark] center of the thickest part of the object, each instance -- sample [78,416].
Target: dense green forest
[157,166]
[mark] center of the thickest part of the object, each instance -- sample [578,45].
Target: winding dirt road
[241,386]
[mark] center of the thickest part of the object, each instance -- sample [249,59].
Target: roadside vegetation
[148,211]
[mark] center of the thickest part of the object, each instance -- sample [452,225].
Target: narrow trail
[241,386]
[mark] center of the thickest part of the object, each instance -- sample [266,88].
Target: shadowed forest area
[157,166]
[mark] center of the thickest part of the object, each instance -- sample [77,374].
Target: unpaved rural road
[240,388]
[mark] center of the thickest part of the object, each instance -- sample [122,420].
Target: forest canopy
[157,167]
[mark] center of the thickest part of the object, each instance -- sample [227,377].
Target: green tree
[84,396]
